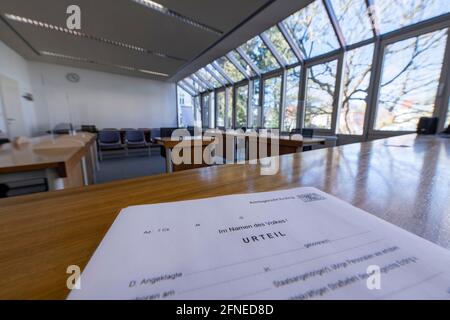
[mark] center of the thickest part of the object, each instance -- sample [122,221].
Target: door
[12,107]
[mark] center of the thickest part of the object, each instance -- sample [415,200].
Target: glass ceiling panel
[281,45]
[260,55]
[395,14]
[213,70]
[242,62]
[208,77]
[230,69]
[187,83]
[312,30]
[197,86]
[353,19]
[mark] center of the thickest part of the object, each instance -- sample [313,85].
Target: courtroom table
[194,143]
[403,180]
[63,160]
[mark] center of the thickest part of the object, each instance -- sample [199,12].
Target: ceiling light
[67,57]
[166,11]
[88,36]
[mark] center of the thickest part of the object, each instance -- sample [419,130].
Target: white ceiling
[131,23]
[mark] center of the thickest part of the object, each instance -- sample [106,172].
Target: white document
[293,244]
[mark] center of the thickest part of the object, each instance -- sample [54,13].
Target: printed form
[293,244]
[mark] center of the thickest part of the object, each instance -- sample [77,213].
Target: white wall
[13,66]
[101,99]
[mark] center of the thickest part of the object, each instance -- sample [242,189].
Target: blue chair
[109,140]
[135,139]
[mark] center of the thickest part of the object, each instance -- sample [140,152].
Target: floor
[117,166]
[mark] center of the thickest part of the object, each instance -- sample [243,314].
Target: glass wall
[260,55]
[272,102]
[343,67]
[358,67]
[229,109]
[409,81]
[185,108]
[255,108]
[292,97]
[320,86]
[205,110]
[241,106]
[220,109]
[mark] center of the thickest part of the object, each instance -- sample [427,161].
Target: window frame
[380,42]
[377,69]
[268,76]
[339,58]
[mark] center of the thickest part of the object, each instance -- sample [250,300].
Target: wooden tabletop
[42,152]
[404,180]
[188,141]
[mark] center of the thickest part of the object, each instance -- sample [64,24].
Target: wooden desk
[65,160]
[196,144]
[42,234]
[286,144]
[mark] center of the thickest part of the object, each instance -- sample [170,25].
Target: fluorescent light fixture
[67,57]
[88,36]
[166,11]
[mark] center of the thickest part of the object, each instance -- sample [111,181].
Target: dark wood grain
[404,180]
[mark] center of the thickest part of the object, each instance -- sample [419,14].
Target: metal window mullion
[281,61]
[374,87]
[237,65]
[302,98]
[222,73]
[290,41]
[249,61]
[373,17]
[249,103]
[334,22]
[211,116]
[338,93]
[442,96]
[283,99]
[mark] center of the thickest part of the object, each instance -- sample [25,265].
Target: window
[255,110]
[395,14]
[216,74]
[220,113]
[353,18]
[447,122]
[229,69]
[197,111]
[229,117]
[281,45]
[272,102]
[260,55]
[205,110]
[249,71]
[185,108]
[291,104]
[241,106]
[206,76]
[358,63]
[320,95]
[198,85]
[409,81]
[312,30]
[193,84]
